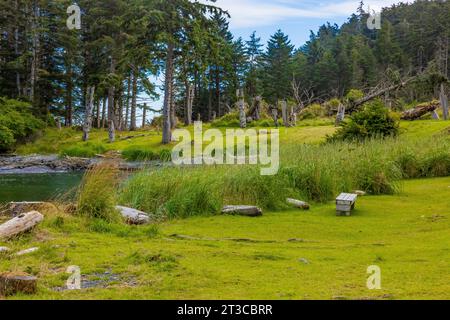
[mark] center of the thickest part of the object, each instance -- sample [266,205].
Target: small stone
[298,203]
[360,193]
[133,216]
[27,251]
[303,260]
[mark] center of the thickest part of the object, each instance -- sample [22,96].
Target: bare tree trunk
[190,91]
[98,114]
[69,99]
[133,101]
[104,113]
[444,102]
[144,115]
[173,115]
[127,110]
[111,113]
[284,113]
[167,132]
[35,52]
[88,112]
[16,52]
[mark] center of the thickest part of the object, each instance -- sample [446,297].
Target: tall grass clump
[139,153]
[85,150]
[185,192]
[308,172]
[97,193]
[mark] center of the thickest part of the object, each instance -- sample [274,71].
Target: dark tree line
[123,45]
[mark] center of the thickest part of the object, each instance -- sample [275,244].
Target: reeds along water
[308,172]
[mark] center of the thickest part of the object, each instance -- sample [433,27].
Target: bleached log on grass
[133,216]
[20,224]
[298,204]
[14,283]
[248,211]
[27,251]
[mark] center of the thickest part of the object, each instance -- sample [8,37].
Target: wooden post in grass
[275,115]
[241,105]
[444,102]
[88,112]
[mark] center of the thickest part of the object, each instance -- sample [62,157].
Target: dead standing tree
[444,102]
[88,112]
[190,95]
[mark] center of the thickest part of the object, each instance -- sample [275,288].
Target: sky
[296,18]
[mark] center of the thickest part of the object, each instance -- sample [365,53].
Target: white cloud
[254,13]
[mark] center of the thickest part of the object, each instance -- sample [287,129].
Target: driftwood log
[298,204]
[14,283]
[420,110]
[27,251]
[20,224]
[133,216]
[248,211]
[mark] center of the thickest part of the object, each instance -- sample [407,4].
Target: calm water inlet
[37,187]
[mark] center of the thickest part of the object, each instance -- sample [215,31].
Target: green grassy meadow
[286,254]
[282,255]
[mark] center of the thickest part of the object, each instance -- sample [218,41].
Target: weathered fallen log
[133,216]
[420,110]
[298,204]
[20,224]
[248,211]
[358,103]
[26,251]
[14,283]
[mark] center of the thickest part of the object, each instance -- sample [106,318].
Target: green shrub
[85,150]
[313,111]
[229,120]
[436,164]
[139,153]
[16,123]
[373,121]
[165,155]
[354,95]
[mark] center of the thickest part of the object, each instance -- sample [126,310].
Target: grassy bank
[243,258]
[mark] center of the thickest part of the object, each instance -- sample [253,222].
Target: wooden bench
[345,203]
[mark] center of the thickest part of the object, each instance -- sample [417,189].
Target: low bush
[373,121]
[17,123]
[313,111]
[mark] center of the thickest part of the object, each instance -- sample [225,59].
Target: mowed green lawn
[283,255]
